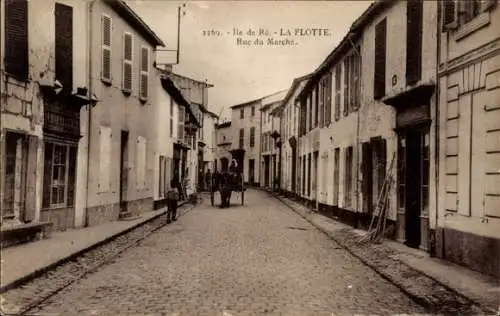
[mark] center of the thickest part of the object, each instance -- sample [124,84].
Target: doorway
[123,171]
[266,171]
[15,176]
[367,183]
[294,168]
[251,171]
[415,166]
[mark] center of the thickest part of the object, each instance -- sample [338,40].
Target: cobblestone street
[260,258]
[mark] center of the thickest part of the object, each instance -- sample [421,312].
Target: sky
[239,66]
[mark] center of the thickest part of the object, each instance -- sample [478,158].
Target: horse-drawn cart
[225,183]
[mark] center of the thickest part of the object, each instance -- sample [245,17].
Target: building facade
[367,118]
[223,141]
[466,219]
[245,148]
[121,139]
[270,128]
[290,180]
[44,100]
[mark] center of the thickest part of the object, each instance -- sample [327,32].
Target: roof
[207,85]
[300,81]
[169,86]
[277,110]
[248,103]
[135,21]
[355,31]
[223,125]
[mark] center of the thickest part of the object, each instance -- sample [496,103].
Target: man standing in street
[172,200]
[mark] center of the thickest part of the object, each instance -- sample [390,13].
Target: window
[348,177]
[59,175]
[162,177]
[252,136]
[380,59]
[104,158]
[347,69]
[171,117]
[253,110]
[316,105]
[336,176]
[242,134]
[140,163]
[144,73]
[180,124]
[327,98]
[242,113]
[128,45]
[309,112]
[106,49]
[459,13]
[414,41]
[64,45]
[16,39]
[321,99]
[338,73]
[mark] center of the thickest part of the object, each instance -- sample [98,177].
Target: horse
[225,183]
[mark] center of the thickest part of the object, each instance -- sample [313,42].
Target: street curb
[421,300]
[71,256]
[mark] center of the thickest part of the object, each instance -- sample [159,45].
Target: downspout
[89,126]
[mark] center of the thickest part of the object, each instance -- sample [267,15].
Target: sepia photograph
[260,157]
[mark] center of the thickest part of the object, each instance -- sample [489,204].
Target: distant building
[245,148]
[270,137]
[223,141]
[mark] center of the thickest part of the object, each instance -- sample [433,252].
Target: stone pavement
[22,262]
[255,259]
[414,271]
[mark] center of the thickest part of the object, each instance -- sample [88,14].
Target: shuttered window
[356,80]
[144,73]
[380,59]
[106,49]
[242,135]
[252,136]
[64,45]
[321,100]
[347,70]
[303,117]
[413,41]
[16,39]
[128,44]
[180,131]
[338,78]
[328,99]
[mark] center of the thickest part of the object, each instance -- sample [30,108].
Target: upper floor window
[413,41]
[242,135]
[338,78]
[253,110]
[380,59]
[252,136]
[180,123]
[242,113]
[127,62]
[327,98]
[144,73]
[352,82]
[459,13]
[64,45]
[16,39]
[171,117]
[106,25]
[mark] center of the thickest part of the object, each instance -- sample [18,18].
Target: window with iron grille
[128,44]
[414,41]
[144,77]
[64,45]
[380,59]
[106,25]
[252,136]
[16,56]
[242,134]
[59,175]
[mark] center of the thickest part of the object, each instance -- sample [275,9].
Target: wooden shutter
[413,41]
[47,174]
[16,39]
[144,73]
[321,100]
[328,99]
[338,73]
[346,86]
[128,45]
[380,59]
[106,49]
[71,176]
[64,45]
[449,15]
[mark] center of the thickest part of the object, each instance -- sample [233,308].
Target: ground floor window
[59,175]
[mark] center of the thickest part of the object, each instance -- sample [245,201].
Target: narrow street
[260,258]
